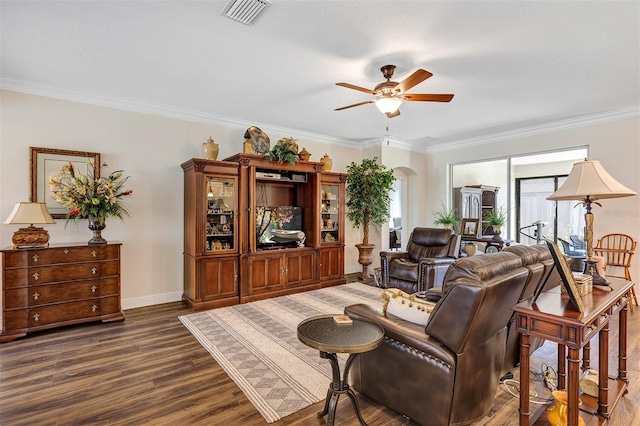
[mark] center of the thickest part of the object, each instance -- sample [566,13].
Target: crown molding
[65,93]
[587,120]
[68,94]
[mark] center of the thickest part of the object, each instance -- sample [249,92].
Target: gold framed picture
[566,275]
[47,163]
[469,227]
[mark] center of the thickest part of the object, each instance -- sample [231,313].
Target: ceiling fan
[390,94]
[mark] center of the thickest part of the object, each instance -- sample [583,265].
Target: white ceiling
[512,65]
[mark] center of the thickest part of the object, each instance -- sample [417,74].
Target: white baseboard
[156,299]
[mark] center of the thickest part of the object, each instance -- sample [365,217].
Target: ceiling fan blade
[355,105]
[351,86]
[394,114]
[417,77]
[424,97]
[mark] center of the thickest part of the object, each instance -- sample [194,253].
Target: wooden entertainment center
[231,206]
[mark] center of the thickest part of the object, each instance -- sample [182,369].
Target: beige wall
[616,144]
[148,148]
[151,149]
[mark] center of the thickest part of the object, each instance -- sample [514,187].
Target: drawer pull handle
[94,254]
[93,288]
[66,251]
[36,276]
[94,270]
[36,296]
[36,317]
[94,308]
[35,258]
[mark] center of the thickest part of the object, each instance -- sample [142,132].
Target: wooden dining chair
[617,250]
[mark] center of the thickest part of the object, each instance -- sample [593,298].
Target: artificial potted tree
[446,217]
[368,186]
[496,219]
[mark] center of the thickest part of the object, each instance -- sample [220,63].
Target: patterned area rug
[257,345]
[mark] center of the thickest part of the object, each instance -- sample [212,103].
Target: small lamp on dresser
[25,213]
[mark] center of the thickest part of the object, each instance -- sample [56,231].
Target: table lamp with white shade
[25,213]
[589,182]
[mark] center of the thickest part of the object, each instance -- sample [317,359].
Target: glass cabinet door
[221,222]
[330,213]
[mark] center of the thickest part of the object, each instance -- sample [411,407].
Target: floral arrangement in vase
[87,197]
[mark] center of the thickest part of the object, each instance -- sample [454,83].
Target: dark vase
[496,233]
[96,227]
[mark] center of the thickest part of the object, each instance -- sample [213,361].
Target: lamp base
[590,269]
[30,237]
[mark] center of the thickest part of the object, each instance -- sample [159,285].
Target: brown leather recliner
[423,265]
[448,372]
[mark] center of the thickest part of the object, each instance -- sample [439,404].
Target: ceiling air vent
[245,11]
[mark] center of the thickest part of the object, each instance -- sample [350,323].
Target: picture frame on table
[566,276]
[469,227]
[47,163]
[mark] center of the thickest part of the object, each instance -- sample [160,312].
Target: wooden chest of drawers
[59,285]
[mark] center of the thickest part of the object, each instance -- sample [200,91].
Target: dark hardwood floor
[149,370]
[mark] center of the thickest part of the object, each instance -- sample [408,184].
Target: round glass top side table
[325,334]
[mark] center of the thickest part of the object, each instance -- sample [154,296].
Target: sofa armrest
[431,271]
[410,372]
[385,258]
[402,331]
[390,255]
[434,294]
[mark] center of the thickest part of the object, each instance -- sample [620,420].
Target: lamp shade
[388,105]
[588,179]
[29,213]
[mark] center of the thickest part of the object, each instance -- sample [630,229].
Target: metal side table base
[339,386]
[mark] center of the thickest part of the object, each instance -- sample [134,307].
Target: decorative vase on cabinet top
[210,149]
[327,162]
[304,155]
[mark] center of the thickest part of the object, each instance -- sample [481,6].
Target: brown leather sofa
[447,373]
[423,265]
[537,259]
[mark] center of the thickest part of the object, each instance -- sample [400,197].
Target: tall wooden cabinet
[475,202]
[256,229]
[332,214]
[211,233]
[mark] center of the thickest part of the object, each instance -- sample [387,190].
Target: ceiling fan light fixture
[388,105]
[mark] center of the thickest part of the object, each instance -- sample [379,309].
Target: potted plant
[496,219]
[286,149]
[446,217]
[368,186]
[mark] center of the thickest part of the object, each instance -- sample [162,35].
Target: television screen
[275,224]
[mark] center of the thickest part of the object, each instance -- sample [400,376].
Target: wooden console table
[552,317]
